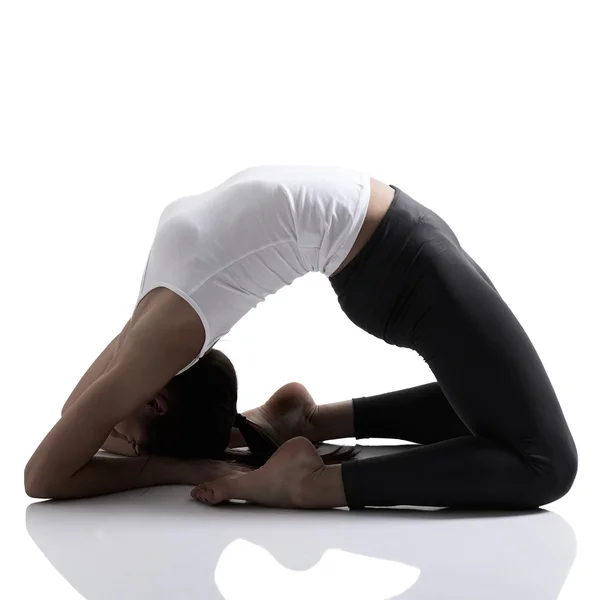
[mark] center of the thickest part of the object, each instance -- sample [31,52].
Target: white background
[487,112]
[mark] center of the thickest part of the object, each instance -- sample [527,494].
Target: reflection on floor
[159,543]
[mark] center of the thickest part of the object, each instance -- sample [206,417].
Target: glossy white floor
[159,543]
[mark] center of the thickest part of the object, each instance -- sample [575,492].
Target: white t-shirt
[225,250]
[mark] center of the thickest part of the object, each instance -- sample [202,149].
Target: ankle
[323,489]
[332,421]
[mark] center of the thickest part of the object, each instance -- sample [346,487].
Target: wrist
[166,470]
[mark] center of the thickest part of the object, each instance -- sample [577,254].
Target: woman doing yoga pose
[489,433]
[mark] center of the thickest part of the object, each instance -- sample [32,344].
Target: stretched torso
[224,251]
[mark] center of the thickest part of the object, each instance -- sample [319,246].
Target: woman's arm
[158,345]
[97,368]
[103,475]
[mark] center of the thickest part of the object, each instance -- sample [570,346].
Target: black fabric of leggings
[490,431]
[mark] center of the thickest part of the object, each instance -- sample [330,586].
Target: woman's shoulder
[164,308]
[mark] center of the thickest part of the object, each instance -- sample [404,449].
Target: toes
[210,494]
[200,494]
[216,491]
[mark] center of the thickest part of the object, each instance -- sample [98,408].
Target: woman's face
[133,428]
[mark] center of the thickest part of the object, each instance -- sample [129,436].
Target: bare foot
[281,482]
[288,413]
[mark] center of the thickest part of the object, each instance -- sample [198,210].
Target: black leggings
[490,431]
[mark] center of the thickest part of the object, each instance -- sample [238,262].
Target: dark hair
[202,409]
[202,404]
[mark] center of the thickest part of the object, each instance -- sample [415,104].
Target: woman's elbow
[35,488]
[35,491]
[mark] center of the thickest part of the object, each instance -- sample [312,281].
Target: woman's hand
[116,443]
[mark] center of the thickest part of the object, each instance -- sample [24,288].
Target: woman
[491,432]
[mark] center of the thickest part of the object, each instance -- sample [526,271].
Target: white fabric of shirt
[225,250]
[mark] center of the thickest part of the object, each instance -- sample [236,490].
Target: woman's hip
[396,277]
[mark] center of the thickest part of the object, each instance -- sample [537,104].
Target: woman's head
[192,416]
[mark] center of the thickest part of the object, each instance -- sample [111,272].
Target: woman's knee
[556,480]
[566,470]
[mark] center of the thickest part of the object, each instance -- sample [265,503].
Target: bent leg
[521,453]
[420,414]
